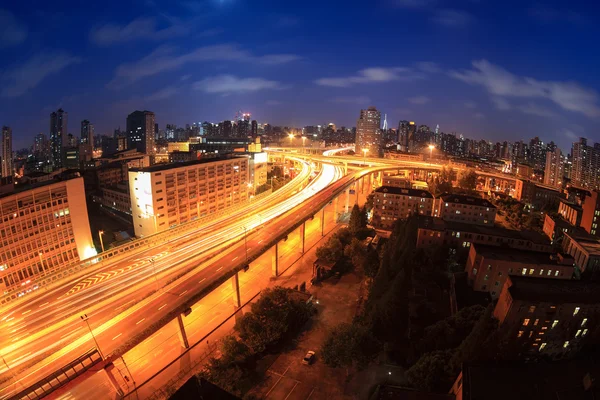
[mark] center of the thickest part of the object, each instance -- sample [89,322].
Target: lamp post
[291,136]
[365,151]
[245,242]
[303,142]
[100,233]
[431,147]
[85,318]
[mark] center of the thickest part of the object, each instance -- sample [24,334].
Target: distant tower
[58,136]
[6,152]
[368,133]
[140,131]
[385,125]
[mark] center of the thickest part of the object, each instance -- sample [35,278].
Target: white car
[309,358]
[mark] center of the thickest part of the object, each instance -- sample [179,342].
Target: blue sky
[498,70]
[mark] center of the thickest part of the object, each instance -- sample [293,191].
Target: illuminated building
[166,195]
[466,209]
[86,145]
[391,203]
[140,131]
[58,136]
[44,229]
[585,249]
[6,153]
[489,266]
[368,133]
[586,165]
[553,173]
[536,195]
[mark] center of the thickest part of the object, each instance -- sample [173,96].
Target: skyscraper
[586,165]
[86,146]
[6,152]
[553,173]
[58,136]
[140,131]
[368,133]
[254,128]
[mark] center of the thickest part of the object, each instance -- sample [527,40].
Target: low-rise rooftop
[554,290]
[466,199]
[404,191]
[521,256]
[167,166]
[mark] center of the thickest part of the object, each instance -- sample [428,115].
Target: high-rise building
[586,165]
[86,144]
[40,146]
[6,153]
[368,133]
[58,136]
[537,153]
[254,128]
[140,131]
[553,173]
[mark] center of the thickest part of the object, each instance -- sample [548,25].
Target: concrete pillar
[303,235]
[110,374]
[323,222]
[275,261]
[345,168]
[181,332]
[347,200]
[235,284]
[335,208]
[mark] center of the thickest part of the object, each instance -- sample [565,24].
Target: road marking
[42,305]
[203,279]
[260,241]
[23,356]
[249,248]
[70,332]
[10,319]
[182,293]
[26,312]
[290,393]
[311,392]
[137,323]
[117,336]
[235,258]
[222,267]
[161,307]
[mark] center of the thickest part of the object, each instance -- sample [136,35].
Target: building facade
[536,195]
[489,266]
[140,131]
[553,173]
[58,136]
[86,143]
[368,133]
[43,229]
[6,153]
[585,250]
[163,196]
[590,218]
[465,209]
[391,203]
[586,165]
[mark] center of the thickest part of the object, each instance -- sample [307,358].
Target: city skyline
[207,61]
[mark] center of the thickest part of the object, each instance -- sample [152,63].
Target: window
[576,311]
[536,322]
[583,322]
[497,283]
[531,271]
[578,333]
[556,273]
[542,271]
[486,277]
[524,271]
[526,322]
[531,309]
[542,346]
[520,334]
[549,272]
[566,344]
[585,331]
[474,271]
[554,323]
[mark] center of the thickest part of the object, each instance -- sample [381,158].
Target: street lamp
[303,141]
[85,318]
[245,242]
[431,147]
[365,151]
[100,233]
[291,136]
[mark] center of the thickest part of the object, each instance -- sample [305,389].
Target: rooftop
[404,191]
[588,242]
[520,381]
[167,166]
[516,255]
[466,199]
[571,204]
[438,224]
[19,188]
[554,290]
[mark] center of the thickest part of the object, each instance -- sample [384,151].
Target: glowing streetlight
[85,318]
[291,136]
[365,151]
[100,233]
[303,141]
[431,147]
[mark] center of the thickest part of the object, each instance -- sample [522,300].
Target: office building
[368,133]
[489,266]
[6,153]
[536,195]
[406,133]
[44,228]
[553,173]
[391,203]
[140,131]
[86,144]
[58,137]
[545,318]
[465,209]
[585,165]
[166,195]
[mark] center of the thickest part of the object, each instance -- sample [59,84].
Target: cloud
[226,84]
[499,82]
[451,18]
[470,104]
[535,109]
[570,134]
[12,32]
[429,67]
[351,99]
[479,116]
[139,28]
[419,100]
[163,93]
[27,76]
[165,58]
[501,103]
[185,77]
[273,103]
[372,75]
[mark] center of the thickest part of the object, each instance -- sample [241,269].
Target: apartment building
[585,250]
[391,203]
[555,228]
[488,267]
[434,231]
[536,195]
[465,209]
[549,318]
[115,197]
[570,211]
[166,195]
[43,228]
[590,219]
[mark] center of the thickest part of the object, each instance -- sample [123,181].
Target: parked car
[309,358]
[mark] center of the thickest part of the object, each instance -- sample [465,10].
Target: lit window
[531,309]
[524,271]
[549,272]
[526,322]
[576,311]
[578,333]
[585,331]
[544,328]
[566,344]
[583,322]
[542,346]
[536,321]
[542,271]
[556,274]
[554,323]
[531,271]
[520,334]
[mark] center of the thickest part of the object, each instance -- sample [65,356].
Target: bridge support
[323,222]
[303,235]
[347,200]
[181,333]
[335,209]
[110,374]
[237,298]
[275,261]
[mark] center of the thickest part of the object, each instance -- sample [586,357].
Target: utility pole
[86,318]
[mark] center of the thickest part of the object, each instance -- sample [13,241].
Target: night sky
[498,70]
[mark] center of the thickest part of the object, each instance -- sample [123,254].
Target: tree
[468,180]
[356,252]
[369,201]
[348,345]
[432,372]
[234,350]
[357,220]
[228,376]
[331,251]
[371,263]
